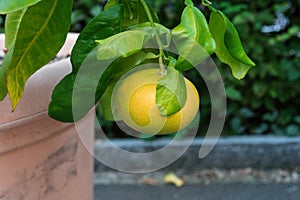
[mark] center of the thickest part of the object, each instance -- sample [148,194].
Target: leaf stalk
[163,70]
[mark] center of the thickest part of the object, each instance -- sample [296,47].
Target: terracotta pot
[40,158]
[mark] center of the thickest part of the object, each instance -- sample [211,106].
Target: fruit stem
[163,70]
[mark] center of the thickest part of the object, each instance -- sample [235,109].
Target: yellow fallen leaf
[173,179]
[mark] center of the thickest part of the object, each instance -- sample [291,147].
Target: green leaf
[49,23]
[12,23]
[191,54]
[8,6]
[192,38]
[134,13]
[88,85]
[189,3]
[122,44]
[163,32]
[117,69]
[111,3]
[11,27]
[171,92]
[108,111]
[234,44]
[60,107]
[72,91]
[107,23]
[3,74]
[229,47]
[68,95]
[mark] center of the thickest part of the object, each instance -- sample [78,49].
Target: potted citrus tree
[44,106]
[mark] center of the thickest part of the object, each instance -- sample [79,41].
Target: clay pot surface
[41,158]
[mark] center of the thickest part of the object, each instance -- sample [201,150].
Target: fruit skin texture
[135,101]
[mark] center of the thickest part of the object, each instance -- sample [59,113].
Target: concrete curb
[260,152]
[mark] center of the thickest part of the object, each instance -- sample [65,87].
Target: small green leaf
[192,38]
[172,61]
[107,23]
[122,44]
[229,47]
[151,55]
[8,6]
[33,48]
[189,3]
[171,92]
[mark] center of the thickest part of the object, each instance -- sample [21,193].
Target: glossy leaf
[33,48]
[109,79]
[118,68]
[12,23]
[192,38]
[229,47]
[60,107]
[122,44]
[8,6]
[171,92]
[71,102]
[192,54]
[107,23]
[163,32]
[77,90]
[73,90]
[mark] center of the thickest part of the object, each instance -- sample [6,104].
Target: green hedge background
[267,100]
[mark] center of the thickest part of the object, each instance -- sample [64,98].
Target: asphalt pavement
[234,191]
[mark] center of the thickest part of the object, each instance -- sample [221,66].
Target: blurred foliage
[2,23]
[267,100]
[84,11]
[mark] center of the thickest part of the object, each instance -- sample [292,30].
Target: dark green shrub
[267,100]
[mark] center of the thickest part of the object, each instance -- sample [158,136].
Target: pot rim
[37,94]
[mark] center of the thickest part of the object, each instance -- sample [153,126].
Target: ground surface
[208,184]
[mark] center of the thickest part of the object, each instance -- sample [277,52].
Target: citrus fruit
[135,101]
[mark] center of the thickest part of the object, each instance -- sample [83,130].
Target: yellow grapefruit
[135,101]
